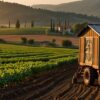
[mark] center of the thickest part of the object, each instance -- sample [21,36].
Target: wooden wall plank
[96,48]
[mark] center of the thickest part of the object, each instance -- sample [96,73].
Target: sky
[31,2]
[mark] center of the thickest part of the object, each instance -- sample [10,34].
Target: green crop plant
[19,62]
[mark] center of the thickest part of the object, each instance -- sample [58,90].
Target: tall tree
[25,25]
[59,22]
[17,24]
[51,25]
[9,24]
[65,25]
[32,23]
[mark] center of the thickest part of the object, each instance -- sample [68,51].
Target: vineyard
[19,62]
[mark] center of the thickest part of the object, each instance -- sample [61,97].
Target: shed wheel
[89,76]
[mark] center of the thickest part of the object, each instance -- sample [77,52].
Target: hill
[13,11]
[88,7]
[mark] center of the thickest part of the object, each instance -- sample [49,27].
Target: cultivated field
[25,68]
[40,38]
[18,62]
[41,73]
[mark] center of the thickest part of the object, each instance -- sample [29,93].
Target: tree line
[75,27]
[18,24]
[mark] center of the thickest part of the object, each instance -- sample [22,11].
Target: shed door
[88,51]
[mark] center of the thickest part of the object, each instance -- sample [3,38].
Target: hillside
[13,11]
[88,7]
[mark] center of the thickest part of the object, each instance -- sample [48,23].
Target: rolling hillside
[13,11]
[88,7]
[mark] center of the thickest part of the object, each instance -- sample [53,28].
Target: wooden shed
[89,55]
[89,46]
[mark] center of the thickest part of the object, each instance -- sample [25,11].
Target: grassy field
[25,31]
[18,62]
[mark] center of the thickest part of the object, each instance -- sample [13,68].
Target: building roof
[94,27]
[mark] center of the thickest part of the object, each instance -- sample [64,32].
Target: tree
[66,43]
[17,24]
[24,40]
[76,28]
[32,23]
[9,24]
[2,41]
[65,25]
[59,24]
[30,41]
[51,25]
[53,41]
[25,24]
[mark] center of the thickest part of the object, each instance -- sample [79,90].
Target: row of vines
[19,62]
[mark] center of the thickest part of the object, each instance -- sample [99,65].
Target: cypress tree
[25,25]
[32,23]
[65,25]
[51,25]
[9,24]
[17,24]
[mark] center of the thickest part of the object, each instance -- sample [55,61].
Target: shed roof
[94,27]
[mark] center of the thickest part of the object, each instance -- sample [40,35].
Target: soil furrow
[97,95]
[93,93]
[74,95]
[85,94]
[52,85]
[69,92]
[42,90]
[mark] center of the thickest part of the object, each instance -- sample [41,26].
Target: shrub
[24,40]
[3,26]
[53,40]
[2,41]
[52,44]
[30,41]
[66,43]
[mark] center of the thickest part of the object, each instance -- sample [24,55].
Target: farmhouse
[90,46]
[64,28]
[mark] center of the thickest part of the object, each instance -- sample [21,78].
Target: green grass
[18,62]
[23,31]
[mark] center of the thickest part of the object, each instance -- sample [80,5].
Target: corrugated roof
[95,27]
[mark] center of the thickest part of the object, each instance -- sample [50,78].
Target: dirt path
[52,85]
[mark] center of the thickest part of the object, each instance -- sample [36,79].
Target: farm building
[64,28]
[89,54]
[89,46]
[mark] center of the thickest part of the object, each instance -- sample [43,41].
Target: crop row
[19,62]
[16,49]
[31,58]
[6,55]
[18,71]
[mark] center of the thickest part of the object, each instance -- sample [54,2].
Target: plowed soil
[40,38]
[51,85]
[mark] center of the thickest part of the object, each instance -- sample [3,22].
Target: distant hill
[13,11]
[88,7]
